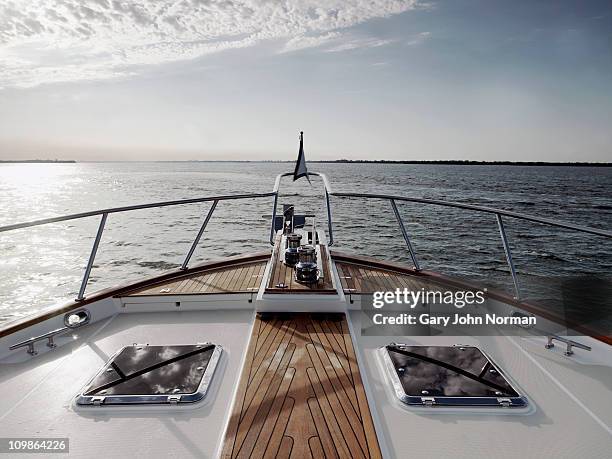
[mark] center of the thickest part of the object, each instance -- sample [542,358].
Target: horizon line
[458,162]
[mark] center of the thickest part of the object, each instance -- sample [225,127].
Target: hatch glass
[153,374]
[448,375]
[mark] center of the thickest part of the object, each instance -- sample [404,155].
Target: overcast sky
[365,79]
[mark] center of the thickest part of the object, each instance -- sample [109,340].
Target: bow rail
[104,213]
[498,213]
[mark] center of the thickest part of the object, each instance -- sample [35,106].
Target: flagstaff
[300,165]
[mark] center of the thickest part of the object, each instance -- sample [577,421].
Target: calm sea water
[40,267]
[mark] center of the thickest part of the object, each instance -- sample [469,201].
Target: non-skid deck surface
[300,393]
[244,277]
[356,278]
[284,275]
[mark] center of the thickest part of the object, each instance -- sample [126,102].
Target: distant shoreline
[452,162]
[41,161]
[472,163]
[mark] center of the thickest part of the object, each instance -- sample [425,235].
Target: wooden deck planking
[244,279]
[256,278]
[232,279]
[356,279]
[282,273]
[300,394]
[208,282]
[232,275]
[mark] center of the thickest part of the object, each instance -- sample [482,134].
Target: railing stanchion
[405,234]
[198,237]
[273,218]
[92,257]
[504,238]
[329,220]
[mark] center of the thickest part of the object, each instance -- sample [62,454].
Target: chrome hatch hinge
[97,401]
[505,402]
[428,401]
[174,399]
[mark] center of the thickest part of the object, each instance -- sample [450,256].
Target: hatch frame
[118,400]
[444,401]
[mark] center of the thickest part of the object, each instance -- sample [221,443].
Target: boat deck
[301,393]
[306,368]
[359,278]
[570,414]
[38,394]
[238,278]
[356,277]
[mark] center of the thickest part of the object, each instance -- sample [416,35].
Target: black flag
[300,165]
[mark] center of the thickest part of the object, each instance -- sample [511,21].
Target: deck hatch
[143,374]
[448,376]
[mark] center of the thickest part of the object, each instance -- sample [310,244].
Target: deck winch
[307,271]
[291,252]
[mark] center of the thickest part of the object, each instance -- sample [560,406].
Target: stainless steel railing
[104,213]
[327,188]
[392,199]
[499,213]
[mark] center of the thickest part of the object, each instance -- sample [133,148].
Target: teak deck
[245,277]
[356,278]
[283,274]
[300,393]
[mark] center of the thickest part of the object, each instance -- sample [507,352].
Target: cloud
[358,43]
[303,41]
[418,38]
[333,42]
[45,41]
